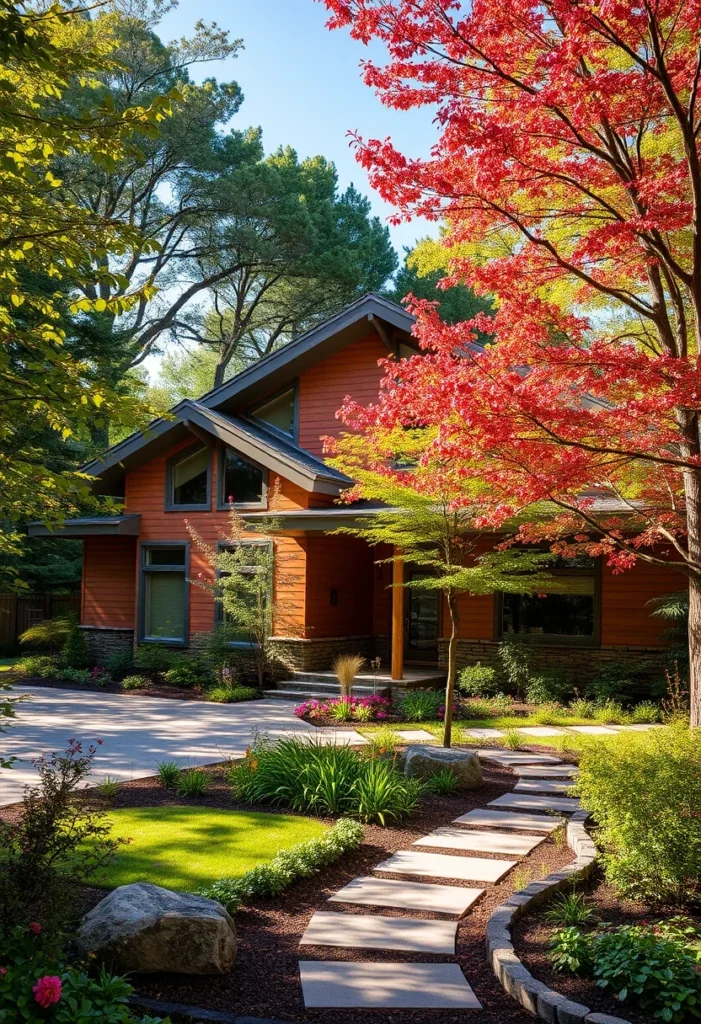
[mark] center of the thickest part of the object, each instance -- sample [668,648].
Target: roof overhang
[99,526]
[317,520]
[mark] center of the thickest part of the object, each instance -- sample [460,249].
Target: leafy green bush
[324,780]
[120,663]
[382,741]
[645,713]
[155,659]
[34,970]
[547,688]
[135,682]
[168,773]
[615,681]
[478,681]
[610,712]
[518,658]
[301,861]
[40,665]
[644,789]
[232,694]
[656,967]
[187,673]
[191,783]
[81,676]
[74,652]
[582,708]
[419,705]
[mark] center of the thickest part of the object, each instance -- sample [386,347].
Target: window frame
[253,411]
[223,545]
[169,504]
[558,639]
[222,505]
[144,569]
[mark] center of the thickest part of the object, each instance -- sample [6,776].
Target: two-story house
[260,433]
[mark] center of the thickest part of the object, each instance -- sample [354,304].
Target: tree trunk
[692,494]
[695,648]
[450,683]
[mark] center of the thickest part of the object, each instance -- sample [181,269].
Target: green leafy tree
[44,231]
[420,275]
[431,519]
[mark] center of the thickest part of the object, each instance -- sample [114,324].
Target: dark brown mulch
[265,981]
[532,937]
[173,692]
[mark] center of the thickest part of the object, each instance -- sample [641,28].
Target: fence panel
[20,611]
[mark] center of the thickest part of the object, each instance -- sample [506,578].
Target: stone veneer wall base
[514,978]
[105,640]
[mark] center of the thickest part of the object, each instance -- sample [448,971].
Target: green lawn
[6,664]
[188,847]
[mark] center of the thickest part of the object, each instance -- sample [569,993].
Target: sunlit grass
[184,848]
[6,664]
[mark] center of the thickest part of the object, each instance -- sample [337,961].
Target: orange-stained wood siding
[475,617]
[109,573]
[343,564]
[625,614]
[322,389]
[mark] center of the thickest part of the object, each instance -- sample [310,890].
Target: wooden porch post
[397,618]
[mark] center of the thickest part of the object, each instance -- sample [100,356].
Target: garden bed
[153,690]
[269,931]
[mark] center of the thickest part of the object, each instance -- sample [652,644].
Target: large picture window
[164,593]
[568,609]
[188,480]
[241,482]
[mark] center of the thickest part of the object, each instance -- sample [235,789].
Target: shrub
[135,682]
[582,708]
[478,681]
[301,861]
[186,673]
[547,688]
[347,667]
[154,658]
[644,789]
[38,665]
[168,773]
[108,788]
[75,648]
[80,676]
[120,663]
[546,714]
[382,741]
[569,909]
[610,712]
[51,633]
[444,782]
[656,967]
[645,713]
[518,658]
[191,783]
[419,705]
[60,840]
[322,779]
[614,681]
[232,694]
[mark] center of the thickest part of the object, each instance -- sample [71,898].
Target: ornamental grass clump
[644,790]
[347,667]
[419,705]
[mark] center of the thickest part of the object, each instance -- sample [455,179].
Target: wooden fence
[19,612]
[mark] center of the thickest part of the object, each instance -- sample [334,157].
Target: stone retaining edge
[514,978]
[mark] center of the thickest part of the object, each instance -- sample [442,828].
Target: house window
[241,482]
[567,609]
[238,636]
[279,412]
[164,593]
[188,480]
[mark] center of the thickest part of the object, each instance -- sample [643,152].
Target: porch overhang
[98,526]
[318,520]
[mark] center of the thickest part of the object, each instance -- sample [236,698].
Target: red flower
[47,991]
[3,972]
[35,928]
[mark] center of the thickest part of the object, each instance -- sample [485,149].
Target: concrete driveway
[136,732]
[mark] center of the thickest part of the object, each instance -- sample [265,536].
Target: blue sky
[302,86]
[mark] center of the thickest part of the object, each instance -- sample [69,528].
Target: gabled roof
[268,448]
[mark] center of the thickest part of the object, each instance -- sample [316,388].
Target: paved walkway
[136,732]
[371,984]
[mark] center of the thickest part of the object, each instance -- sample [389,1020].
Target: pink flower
[47,991]
[35,928]
[3,972]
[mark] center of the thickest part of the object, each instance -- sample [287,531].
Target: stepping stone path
[540,730]
[415,735]
[376,984]
[543,785]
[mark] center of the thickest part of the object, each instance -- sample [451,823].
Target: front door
[422,621]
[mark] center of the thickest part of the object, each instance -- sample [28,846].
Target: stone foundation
[320,653]
[105,640]
[578,664]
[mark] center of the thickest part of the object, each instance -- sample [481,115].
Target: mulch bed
[532,936]
[172,692]
[265,980]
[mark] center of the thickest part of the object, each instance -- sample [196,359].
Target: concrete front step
[311,694]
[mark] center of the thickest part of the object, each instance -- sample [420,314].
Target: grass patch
[6,664]
[185,848]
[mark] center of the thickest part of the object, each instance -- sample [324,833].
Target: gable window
[238,636]
[279,412]
[163,593]
[569,608]
[241,482]
[188,479]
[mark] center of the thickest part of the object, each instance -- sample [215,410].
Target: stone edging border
[514,978]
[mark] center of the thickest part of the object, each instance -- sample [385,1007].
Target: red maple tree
[567,171]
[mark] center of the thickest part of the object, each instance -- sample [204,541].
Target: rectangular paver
[508,819]
[449,838]
[368,891]
[442,865]
[509,757]
[369,931]
[543,785]
[336,737]
[485,734]
[546,771]
[383,986]
[526,802]
[415,735]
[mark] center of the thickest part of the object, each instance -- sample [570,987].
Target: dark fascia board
[118,454]
[266,372]
[322,520]
[106,526]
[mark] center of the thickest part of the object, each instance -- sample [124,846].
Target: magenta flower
[35,928]
[47,991]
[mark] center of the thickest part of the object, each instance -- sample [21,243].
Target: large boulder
[424,761]
[145,928]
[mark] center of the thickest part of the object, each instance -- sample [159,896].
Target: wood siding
[109,582]
[323,388]
[344,565]
[625,614]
